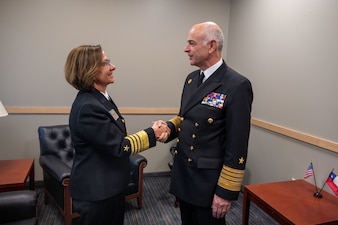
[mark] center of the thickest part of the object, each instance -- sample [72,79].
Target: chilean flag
[332,181]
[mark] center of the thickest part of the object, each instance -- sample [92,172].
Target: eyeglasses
[106,63]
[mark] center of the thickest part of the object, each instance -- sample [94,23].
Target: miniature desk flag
[309,172]
[332,181]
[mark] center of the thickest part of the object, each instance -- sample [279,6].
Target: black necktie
[200,79]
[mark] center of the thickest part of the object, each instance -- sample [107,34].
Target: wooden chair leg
[139,202]
[46,197]
[177,202]
[68,213]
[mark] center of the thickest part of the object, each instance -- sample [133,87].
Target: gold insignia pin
[126,148]
[241,160]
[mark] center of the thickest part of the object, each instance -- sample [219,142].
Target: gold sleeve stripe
[138,142]
[176,121]
[135,142]
[231,179]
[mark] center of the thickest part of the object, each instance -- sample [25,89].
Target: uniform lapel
[111,108]
[192,95]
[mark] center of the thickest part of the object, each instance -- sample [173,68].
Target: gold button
[179,129]
[122,120]
[189,160]
[177,140]
[196,124]
[193,136]
[182,118]
[210,120]
[189,81]
[175,152]
[192,148]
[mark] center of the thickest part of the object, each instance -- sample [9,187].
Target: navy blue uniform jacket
[102,147]
[212,130]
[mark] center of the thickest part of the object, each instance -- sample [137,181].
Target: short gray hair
[213,32]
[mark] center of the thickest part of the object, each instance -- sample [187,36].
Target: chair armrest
[55,167]
[136,160]
[17,205]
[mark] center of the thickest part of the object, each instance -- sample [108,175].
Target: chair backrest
[56,140]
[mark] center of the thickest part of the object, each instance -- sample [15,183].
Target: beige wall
[143,38]
[289,51]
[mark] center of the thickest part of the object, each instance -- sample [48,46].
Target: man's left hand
[220,207]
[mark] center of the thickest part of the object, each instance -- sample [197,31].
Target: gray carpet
[158,208]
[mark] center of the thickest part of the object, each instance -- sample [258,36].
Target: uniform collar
[208,72]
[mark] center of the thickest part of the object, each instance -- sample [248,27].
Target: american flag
[309,171]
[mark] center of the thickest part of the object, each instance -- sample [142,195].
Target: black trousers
[105,212]
[195,215]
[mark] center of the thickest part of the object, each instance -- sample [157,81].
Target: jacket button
[193,136]
[196,124]
[210,120]
[192,148]
[182,118]
[189,160]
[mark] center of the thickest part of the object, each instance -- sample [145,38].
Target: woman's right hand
[161,129]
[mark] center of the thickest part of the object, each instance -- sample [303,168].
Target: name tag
[114,114]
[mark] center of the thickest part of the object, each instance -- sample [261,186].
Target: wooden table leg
[32,178]
[246,207]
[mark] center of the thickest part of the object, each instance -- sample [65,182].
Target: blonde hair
[82,65]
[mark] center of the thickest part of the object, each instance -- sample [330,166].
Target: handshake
[161,129]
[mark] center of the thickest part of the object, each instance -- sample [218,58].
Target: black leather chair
[18,208]
[56,159]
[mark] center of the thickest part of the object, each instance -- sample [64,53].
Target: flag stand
[316,194]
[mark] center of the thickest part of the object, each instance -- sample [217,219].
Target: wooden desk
[291,202]
[14,174]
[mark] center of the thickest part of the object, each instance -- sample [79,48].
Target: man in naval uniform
[212,131]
